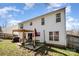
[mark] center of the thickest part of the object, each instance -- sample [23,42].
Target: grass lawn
[7,48]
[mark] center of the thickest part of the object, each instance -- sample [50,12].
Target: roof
[43,15]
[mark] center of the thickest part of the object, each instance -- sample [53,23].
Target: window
[56,36]
[58,17]
[21,26]
[42,21]
[51,36]
[30,23]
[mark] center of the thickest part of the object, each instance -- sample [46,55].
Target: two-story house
[51,27]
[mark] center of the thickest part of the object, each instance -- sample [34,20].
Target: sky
[13,13]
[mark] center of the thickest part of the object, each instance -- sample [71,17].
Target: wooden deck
[29,46]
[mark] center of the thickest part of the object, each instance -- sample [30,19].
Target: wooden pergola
[24,33]
[34,32]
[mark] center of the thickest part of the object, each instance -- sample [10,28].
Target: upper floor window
[42,21]
[56,36]
[30,23]
[21,26]
[58,17]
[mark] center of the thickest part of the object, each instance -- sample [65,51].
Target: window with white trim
[56,36]
[51,36]
[58,17]
[30,23]
[21,26]
[42,21]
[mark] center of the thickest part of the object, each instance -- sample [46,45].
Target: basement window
[58,17]
[42,21]
[56,36]
[51,36]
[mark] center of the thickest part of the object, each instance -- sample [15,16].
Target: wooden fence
[6,35]
[73,41]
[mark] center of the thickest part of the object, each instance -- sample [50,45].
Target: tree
[0,29]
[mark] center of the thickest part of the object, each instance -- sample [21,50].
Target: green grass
[63,52]
[7,48]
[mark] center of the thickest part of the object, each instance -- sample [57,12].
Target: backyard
[7,48]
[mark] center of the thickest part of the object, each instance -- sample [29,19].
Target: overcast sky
[13,13]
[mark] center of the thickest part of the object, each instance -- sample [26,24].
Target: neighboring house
[51,27]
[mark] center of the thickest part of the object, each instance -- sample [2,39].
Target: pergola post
[34,39]
[24,37]
[12,34]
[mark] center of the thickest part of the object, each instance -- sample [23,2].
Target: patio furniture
[16,39]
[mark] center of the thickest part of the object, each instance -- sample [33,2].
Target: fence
[73,41]
[6,35]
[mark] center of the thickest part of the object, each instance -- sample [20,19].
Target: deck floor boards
[32,48]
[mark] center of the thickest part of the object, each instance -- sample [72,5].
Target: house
[51,27]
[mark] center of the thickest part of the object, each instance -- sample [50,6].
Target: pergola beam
[22,30]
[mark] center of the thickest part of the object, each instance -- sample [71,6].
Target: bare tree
[0,29]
